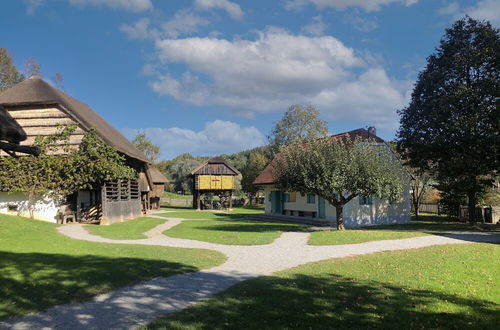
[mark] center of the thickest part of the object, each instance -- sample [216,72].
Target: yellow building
[214,176]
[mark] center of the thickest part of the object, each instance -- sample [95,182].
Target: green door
[321,208]
[276,205]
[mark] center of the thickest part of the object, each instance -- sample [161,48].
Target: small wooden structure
[214,176]
[156,193]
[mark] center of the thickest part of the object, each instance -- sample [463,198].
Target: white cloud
[278,69]
[140,30]
[368,5]
[358,22]
[488,10]
[184,22]
[233,9]
[217,137]
[451,9]
[33,6]
[316,28]
[485,10]
[129,5]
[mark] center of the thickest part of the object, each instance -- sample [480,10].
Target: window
[311,199]
[365,200]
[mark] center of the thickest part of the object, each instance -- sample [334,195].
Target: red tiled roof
[266,176]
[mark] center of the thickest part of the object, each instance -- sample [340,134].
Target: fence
[428,208]
[483,214]
[167,201]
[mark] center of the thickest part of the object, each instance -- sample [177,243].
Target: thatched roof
[10,130]
[156,176]
[216,166]
[267,175]
[36,91]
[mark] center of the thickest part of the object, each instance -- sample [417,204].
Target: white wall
[355,215]
[44,208]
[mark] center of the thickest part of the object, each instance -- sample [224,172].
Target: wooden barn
[40,109]
[158,188]
[217,177]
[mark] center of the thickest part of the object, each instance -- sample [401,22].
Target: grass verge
[40,268]
[132,229]
[335,237]
[230,231]
[441,287]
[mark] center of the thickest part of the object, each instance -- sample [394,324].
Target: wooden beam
[18,148]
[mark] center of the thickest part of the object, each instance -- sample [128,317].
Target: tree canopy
[452,124]
[255,164]
[144,144]
[298,124]
[9,75]
[340,170]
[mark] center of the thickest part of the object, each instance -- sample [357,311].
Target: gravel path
[140,304]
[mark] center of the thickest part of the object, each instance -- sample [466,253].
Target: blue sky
[210,76]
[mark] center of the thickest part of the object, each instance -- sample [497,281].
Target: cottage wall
[355,215]
[44,208]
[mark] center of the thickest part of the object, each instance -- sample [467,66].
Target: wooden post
[230,199]
[198,200]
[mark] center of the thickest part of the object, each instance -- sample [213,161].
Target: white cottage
[360,211]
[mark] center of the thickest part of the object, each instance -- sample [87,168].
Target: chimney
[372,130]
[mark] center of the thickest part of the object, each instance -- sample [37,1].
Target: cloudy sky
[211,76]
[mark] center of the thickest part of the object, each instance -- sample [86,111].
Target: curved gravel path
[140,304]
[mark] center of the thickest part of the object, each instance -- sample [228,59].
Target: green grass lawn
[132,229]
[248,210]
[40,268]
[231,231]
[176,208]
[335,237]
[200,215]
[441,287]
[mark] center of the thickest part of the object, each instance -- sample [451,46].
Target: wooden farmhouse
[217,177]
[40,109]
[361,211]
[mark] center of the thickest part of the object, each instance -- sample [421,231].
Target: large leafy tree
[180,168]
[143,143]
[452,125]
[298,124]
[255,164]
[340,170]
[9,75]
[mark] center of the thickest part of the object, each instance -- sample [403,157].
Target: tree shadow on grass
[249,226]
[35,281]
[332,302]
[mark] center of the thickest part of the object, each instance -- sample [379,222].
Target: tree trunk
[472,208]
[339,211]
[415,209]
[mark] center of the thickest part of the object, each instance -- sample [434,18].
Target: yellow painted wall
[215,182]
